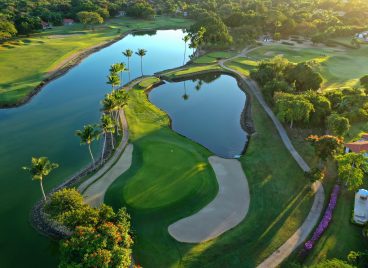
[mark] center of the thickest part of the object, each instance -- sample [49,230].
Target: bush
[364,81]
[63,201]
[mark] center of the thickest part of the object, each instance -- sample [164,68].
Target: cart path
[302,233]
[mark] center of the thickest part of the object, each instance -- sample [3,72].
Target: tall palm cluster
[117,69]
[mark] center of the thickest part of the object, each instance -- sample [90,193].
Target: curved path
[310,222]
[95,187]
[94,194]
[226,211]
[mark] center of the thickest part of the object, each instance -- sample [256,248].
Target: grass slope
[170,178]
[26,61]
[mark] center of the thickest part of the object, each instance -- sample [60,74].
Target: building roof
[358,146]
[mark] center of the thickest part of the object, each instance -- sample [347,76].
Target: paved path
[226,211]
[311,221]
[94,188]
[114,158]
[94,194]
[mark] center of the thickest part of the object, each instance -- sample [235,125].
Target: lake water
[207,110]
[46,126]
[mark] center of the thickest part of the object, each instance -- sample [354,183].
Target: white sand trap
[226,211]
[95,192]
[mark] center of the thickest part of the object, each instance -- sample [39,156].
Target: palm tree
[89,134]
[39,169]
[120,99]
[186,38]
[128,53]
[185,96]
[113,80]
[107,126]
[141,53]
[114,69]
[121,69]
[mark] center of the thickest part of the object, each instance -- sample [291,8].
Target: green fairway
[170,178]
[333,62]
[25,62]
[193,69]
[213,57]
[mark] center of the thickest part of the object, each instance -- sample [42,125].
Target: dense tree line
[228,20]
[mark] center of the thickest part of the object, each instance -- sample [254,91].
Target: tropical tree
[114,69]
[185,95]
[89,18]
[326,146]
[291,108]
[128,53]
[351,169]
[121,69]
[141,53]
[120,99]
[186,39]
[113,80]
[88,134]
[39,169]
[107,126]
[337,124]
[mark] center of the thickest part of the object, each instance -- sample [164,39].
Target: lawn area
[148,82]
[213,57]
[332,61]
[170,178]
[26,61]
[193,69]
[243,65]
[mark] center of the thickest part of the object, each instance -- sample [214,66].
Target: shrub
[64,201]
[325,222]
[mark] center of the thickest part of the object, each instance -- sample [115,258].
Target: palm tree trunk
[142,65]
[121,78]
[43,192]
[129,68]
[112,141]
[291,124]
[185,52]
[104,146]
[90,152]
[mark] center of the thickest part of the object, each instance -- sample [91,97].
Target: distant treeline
[226,21]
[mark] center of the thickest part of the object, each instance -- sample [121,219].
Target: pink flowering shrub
[327,217]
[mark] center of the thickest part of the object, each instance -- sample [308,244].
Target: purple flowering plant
[327,217]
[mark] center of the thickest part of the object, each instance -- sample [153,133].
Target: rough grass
[25,62]
[171,178]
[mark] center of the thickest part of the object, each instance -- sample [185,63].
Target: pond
[207,110]
[45,127]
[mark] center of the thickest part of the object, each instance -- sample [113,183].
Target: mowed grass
[193,69]
[170,178]
[148,82]
[213,57]
[339,67]
[25,62]
[243,65]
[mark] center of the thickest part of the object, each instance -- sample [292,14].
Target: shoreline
[246,121]
[71,62]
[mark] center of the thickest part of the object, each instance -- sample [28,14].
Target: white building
[361,206]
